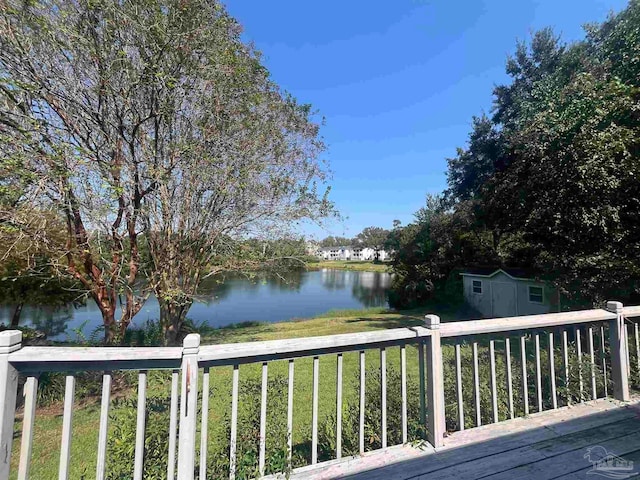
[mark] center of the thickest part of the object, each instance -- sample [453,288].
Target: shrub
[373,416]
[121,444]
[248,433]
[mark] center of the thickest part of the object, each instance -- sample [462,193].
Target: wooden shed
[507,292]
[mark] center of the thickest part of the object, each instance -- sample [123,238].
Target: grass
[45,456]
[349,265]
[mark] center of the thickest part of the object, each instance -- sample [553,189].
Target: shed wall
[484,303]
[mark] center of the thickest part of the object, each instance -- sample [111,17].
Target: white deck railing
[608,356]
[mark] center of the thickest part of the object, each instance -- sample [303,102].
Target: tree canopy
[148,121]
[551,180]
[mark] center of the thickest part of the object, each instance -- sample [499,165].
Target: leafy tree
[27,276]
[83,103]
[552,178]
[243,157]
[149,118]
[472,167]
[336,241]
[35,286]
[372,237]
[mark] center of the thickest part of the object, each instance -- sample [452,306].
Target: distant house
[361,254]
[336,253]
[507,292]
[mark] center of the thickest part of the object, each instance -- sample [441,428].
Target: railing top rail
[493,325]
[304,347]
[631,311]
[50,358]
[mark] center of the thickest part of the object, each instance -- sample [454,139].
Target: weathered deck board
[583,474]
[549,444]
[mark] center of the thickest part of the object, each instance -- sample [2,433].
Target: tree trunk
[173,313]
[131,308]
[15,319]
[109,323]
[107,305]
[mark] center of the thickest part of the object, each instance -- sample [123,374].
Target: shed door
[503,299]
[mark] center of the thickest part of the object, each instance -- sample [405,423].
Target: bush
[248,433]
[373,416]
[121,444]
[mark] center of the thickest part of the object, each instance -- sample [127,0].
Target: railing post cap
[10,338]
[191,342]
[614,306]
[432,321]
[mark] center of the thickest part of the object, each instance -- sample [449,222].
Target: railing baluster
[383,395]
[314,413]
[234,422]
[494,387]
[173,425]
[339,406]
[579,352]
[592,358]
[525,386]
[476,384]
[637,338]
[30,397]
[67,420]
[460,398]
[538,372]
[552,372]
[423,386]
[204,423]
[290,412]
[104,426]
[626,343]
[403,380]
[362,392]
[603,359]
[263,419]
[138,464]
[565,356]
[507,354]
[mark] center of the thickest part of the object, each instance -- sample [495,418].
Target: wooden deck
[547,445]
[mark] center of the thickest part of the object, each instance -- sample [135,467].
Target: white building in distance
[361,254]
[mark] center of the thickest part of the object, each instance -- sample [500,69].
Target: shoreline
[361,266]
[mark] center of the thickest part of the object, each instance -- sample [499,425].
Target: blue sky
[397,83]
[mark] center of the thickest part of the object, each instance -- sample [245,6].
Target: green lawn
[46,446]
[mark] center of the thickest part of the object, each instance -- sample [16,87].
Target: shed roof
[515,273]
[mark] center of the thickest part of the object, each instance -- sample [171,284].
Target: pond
[237,299]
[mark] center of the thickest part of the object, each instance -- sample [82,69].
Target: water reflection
[51,320]
[236,298]
[370,287]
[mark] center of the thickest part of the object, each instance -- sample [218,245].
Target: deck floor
[546,445]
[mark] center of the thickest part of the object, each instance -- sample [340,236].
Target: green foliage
[372,237]
[248,437]
[336,241]
[373,416]
[551,182]
[121,443]
[51,385]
